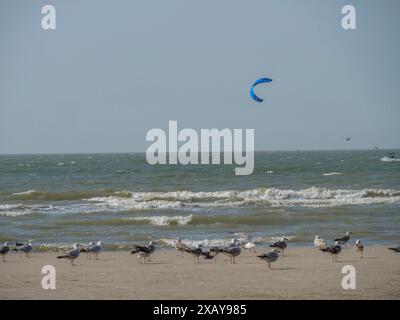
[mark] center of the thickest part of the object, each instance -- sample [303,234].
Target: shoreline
[304,273]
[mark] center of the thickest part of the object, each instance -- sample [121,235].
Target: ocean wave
[312,197]
[332,174]
[19,209]
[13,210]
[164,220]
[64,195]
[387,159]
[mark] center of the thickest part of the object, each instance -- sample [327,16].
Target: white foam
[387,159]
[332,174]
[314,197]
[23,193]
[165,220]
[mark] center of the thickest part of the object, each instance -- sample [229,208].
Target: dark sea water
[120,199]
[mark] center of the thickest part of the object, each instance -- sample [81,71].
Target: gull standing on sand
[320,243]
[395,249]
[333,250]
[232,252]
[344,239]
[180,247]
[246,242]
[73,254]
[197,252]
[85,249]
[281,245]
[270,257]
[25,248]
[144,252]
[4,249]
[359,249]
[94,249]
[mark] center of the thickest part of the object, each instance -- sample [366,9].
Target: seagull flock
[233,250]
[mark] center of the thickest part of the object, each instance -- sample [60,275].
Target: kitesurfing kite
[259,81]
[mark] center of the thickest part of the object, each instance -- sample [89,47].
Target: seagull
[245,242]
[359,248]
[320,243]
[84,249]
[73,254]
[180,246]
[216,251]
[344,239]
[144,252]
[333,250]
[232,252]
[395,249]
[25,248]
[93,248]
[4,249]
[197,252]
[250,246]
[281,245]
[270,257]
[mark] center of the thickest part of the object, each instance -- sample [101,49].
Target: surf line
[190,150]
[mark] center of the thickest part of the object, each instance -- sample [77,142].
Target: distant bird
[180,246]
[94,248]
[232,252]
[281,245]
[359,249]
[348,138]
[270,257]
[344,239]
[25,248]
[4,249]
[333,250]
[73,254]
[144,252]
[320,243]
[395,249]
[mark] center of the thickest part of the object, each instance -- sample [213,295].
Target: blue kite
[261,80]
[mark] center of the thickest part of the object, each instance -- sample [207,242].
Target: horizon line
[144,152]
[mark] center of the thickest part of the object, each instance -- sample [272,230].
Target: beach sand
[305,273]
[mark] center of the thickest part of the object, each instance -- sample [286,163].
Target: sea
[57,200]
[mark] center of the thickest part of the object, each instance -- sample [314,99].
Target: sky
[113,70]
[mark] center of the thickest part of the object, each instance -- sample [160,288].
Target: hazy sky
[112,70]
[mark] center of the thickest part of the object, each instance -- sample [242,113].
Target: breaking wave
[387,159]
[164,220]
[312,197]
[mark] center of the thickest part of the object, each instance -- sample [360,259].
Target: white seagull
[72,255]
[359,249]
[94,248]
[320,243]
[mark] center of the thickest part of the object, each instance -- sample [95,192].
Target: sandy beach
[304,273]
